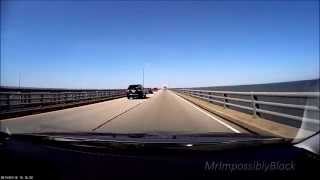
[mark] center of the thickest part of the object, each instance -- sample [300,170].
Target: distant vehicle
[136,91]
[165,87]
[155,89]
[148,91]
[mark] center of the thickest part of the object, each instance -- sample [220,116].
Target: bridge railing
[14,101]
[289,105]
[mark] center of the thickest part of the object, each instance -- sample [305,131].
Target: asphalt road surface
[162,112]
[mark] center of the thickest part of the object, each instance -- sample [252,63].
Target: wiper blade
[81,137]
[149,138]
[87,134]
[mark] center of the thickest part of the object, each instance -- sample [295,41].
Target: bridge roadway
[163,111]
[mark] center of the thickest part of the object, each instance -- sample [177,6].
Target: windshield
[207,67]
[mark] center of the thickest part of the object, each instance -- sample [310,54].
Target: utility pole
[0,71]
[143,77]
[19,79]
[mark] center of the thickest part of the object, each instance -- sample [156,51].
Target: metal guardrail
[223,98]
[16,100]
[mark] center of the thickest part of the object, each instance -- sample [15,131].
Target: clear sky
[81,44]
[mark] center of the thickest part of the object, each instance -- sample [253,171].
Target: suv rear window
[134,86]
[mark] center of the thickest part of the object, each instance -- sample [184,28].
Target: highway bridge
[165,111]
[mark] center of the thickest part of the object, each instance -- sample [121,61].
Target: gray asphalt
[162,112]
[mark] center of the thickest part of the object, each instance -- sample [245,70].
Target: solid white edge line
[212,117]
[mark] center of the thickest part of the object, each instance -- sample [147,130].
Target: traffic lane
[167,112]
[82,118]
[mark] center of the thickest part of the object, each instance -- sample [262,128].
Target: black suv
[136,90]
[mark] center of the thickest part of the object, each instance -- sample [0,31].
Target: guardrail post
[225,100]
[30,100]
[21,99]
[53,98]
[253,103]
[58,98]
[8,100]
[41,99]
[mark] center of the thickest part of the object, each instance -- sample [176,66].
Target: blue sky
[98,44]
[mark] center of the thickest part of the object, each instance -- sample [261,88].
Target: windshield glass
[207,67]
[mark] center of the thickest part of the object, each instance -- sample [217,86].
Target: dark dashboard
[41,157]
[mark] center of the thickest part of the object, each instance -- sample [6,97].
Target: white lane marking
[212,117]
[116,115]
